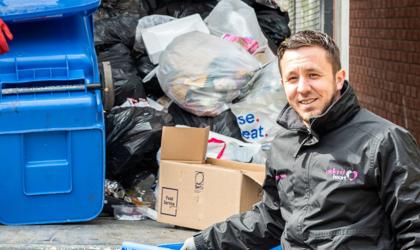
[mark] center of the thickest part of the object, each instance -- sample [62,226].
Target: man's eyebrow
[307,69]
[311,68]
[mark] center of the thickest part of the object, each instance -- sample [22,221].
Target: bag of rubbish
[225,123]
[257,112]
[158,37]
[133,139]
[144,67]
[143,63]
[126,82]
[137,8]
[274,25]
[113,30]
[203,73]
[183,8]
[236,18]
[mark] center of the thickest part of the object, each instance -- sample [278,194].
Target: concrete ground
[101,233]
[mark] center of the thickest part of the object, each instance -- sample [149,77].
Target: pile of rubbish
[190,63]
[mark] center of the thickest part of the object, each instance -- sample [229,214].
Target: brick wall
[385,59]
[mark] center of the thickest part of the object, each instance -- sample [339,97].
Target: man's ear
[340,76]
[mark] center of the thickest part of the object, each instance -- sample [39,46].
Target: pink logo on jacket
[341,174]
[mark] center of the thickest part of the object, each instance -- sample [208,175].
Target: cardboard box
[196,193]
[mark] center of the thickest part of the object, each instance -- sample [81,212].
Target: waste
[206,79]
[133,139]
[158,37]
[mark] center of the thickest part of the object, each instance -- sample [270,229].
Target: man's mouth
[307,101]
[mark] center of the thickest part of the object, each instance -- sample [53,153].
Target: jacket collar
[335,116]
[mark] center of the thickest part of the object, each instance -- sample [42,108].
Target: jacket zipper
[306,178]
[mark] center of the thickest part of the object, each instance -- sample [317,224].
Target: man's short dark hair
[309,38]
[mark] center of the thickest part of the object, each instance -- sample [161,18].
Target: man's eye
[292,79]
[313,76]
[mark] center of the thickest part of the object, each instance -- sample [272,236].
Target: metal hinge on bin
[47,89]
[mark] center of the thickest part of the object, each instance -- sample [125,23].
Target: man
[4,33]
[339,177]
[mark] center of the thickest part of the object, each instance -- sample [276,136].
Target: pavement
[101,233]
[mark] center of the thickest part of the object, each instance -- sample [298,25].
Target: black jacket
[351,181]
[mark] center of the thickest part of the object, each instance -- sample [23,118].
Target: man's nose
[303,85]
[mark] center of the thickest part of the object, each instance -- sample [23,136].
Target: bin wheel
[108,93]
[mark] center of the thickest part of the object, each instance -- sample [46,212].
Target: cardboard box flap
[258,177]
[255,172]
[184,144]
[237,165]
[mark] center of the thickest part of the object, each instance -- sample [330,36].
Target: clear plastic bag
[237,18]
[257,113]
[203,73]
[130,212]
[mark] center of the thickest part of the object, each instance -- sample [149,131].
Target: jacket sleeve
[398,161]
[260,228]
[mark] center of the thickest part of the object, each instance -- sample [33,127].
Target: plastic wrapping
[133,138]
[157,38]
[224,123]
[258,111]
[114,189]
[227,148]
[206,79]
[147,22]
[129,212]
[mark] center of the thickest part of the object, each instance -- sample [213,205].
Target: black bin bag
[225,123]
[124,74]
[133,139]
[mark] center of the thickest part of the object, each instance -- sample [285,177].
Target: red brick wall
[385,59]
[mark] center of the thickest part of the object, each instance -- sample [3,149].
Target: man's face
[309,82]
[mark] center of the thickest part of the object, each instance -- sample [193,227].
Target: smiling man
[310,83]
[339,177]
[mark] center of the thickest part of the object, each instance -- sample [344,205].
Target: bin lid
[22,10]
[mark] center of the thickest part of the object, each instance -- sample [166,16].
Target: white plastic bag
[257,113]
[203,73]
[228,148]
[158,37]
[148,22]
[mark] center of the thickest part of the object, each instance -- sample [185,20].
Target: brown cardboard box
[195,193]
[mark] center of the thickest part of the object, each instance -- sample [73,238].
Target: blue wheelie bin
[52,140]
